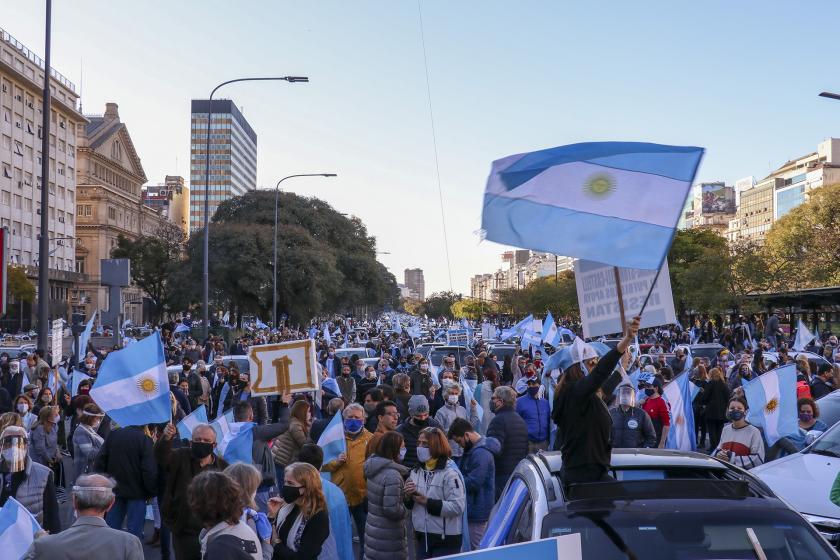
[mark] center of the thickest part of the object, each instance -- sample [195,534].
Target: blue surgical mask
[353,425]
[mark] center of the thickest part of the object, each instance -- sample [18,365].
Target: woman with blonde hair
[248,478]
[10,419]
[287,445]
[715,399]
[300,515]
[86,440]
[43,440]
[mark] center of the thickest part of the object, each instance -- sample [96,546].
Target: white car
[805,479]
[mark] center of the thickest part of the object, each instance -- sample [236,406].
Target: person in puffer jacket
[385,529]
[478,465]
[437,498]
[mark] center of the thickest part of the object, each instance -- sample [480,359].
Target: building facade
[109,204]
[171,199]
[233,156]
[21,84]
[518,269]
[413,280]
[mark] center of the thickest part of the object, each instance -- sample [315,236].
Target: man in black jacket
[127,456]
[511,431]
[583,421]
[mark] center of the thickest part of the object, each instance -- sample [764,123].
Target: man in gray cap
[418,412]
[89,536]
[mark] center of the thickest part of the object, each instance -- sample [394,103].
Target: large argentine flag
[677,394]
[772,400]
[612,202]
[518,328]
[132,386]
[549,330]
[188,424]
[237,444]
[85,337]
[17,529]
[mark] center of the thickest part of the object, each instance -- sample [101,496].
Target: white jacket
[441,486]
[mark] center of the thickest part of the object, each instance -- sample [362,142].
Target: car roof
[706,345]
[635,458]
[352,350]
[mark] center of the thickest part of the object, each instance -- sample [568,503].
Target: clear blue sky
[739,78]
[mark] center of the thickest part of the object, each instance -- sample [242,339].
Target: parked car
[662,505]
[804,479]
[357,351]
[501,351]
[771,359]
[708,351]
[437,353]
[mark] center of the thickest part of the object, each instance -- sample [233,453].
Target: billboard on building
[717,198]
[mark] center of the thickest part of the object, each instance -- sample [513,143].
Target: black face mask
[289,493]
[201,449]
[649,392]
[468,444]
[421,423]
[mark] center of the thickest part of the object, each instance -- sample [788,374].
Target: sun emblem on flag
[600,185]
[772,405]
[147,385]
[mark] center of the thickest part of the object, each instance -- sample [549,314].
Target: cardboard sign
[598,297]
[285,366]
[57,339]
[458,337]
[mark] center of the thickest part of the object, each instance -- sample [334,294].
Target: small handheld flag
[332,440]
[17,529]
[188,424]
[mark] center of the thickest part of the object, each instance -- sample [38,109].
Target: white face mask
[402,453]
[23,408]
[452,399]
[423,454]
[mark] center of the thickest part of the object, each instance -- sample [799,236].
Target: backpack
[230,547]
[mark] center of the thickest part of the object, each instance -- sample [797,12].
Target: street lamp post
[276,212]
[206,266]
[44,244]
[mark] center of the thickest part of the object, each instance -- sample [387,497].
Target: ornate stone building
[109,204]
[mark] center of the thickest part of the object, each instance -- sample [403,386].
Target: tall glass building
[233,156]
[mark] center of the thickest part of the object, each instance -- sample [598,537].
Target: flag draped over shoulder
[616,203]
[677,394]
[772,403]
[132,386]
[17,529]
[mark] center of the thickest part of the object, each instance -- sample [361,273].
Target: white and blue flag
[327,335]
[236,445]
[549,330]
[616,203]
[180,328]
[804,337]
[518,328]
[772,400]
[132,386]
[332,440]
[682,435]
[260,324]
[188,424]
[221,425]
[396,325]
[530,338]
[85,337]
[17,529]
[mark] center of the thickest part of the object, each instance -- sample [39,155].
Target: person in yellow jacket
[347,471]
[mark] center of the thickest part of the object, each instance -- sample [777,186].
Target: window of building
[18,202]
[80,266]
[27,204]
[6,197]
[112,213]
[7,142]
[18,148]
[27,230]
[7,172]
[116,150]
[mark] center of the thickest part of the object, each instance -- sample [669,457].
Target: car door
[506,512]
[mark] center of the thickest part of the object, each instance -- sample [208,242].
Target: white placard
[598,299]
[57,340]
[285,366]
[488,331]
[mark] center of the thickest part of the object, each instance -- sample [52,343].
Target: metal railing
[31,56]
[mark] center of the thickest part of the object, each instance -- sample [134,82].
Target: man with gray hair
[512,432]
[89,536]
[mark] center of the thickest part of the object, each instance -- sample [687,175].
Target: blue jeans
[133,512]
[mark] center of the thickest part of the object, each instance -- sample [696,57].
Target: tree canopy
[326,261]
[543,295]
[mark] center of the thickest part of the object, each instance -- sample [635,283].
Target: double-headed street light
[206,267]
[830,95]
[276,211]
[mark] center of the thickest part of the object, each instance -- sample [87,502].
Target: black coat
[512,432]
[583,421]
[410,432]
[127,456]
[716,399]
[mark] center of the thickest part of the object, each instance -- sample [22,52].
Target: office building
[414,281]
[21,85]
[109,205]
[233,156]
[171,199]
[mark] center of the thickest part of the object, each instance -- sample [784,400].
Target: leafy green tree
[473,309]
[804,241]
[153,259]
[439,304]
[697,262]
[543,295]
[18,285]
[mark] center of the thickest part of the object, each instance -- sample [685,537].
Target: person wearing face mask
[347,385]
[536,412]
[86,441]
[301,517]
[23,407]
[28,482]
[182,466]
[631,426]
[248,478]
[330,362]
[43,440]
[421,379]
[437,498]
[385,530]
[419,420]
[183,400]
[822,383]
[510,430]
[12,378]
[740,443]
[366,383]
[452,409]
[347,470]
[478,465]
[657,409]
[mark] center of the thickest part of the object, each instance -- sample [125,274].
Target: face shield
[626,396]
[13,454]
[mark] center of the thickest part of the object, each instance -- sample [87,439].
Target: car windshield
[241,363]
[708,352]
[437,354]
[708,535]
[828,444]
[503,351]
